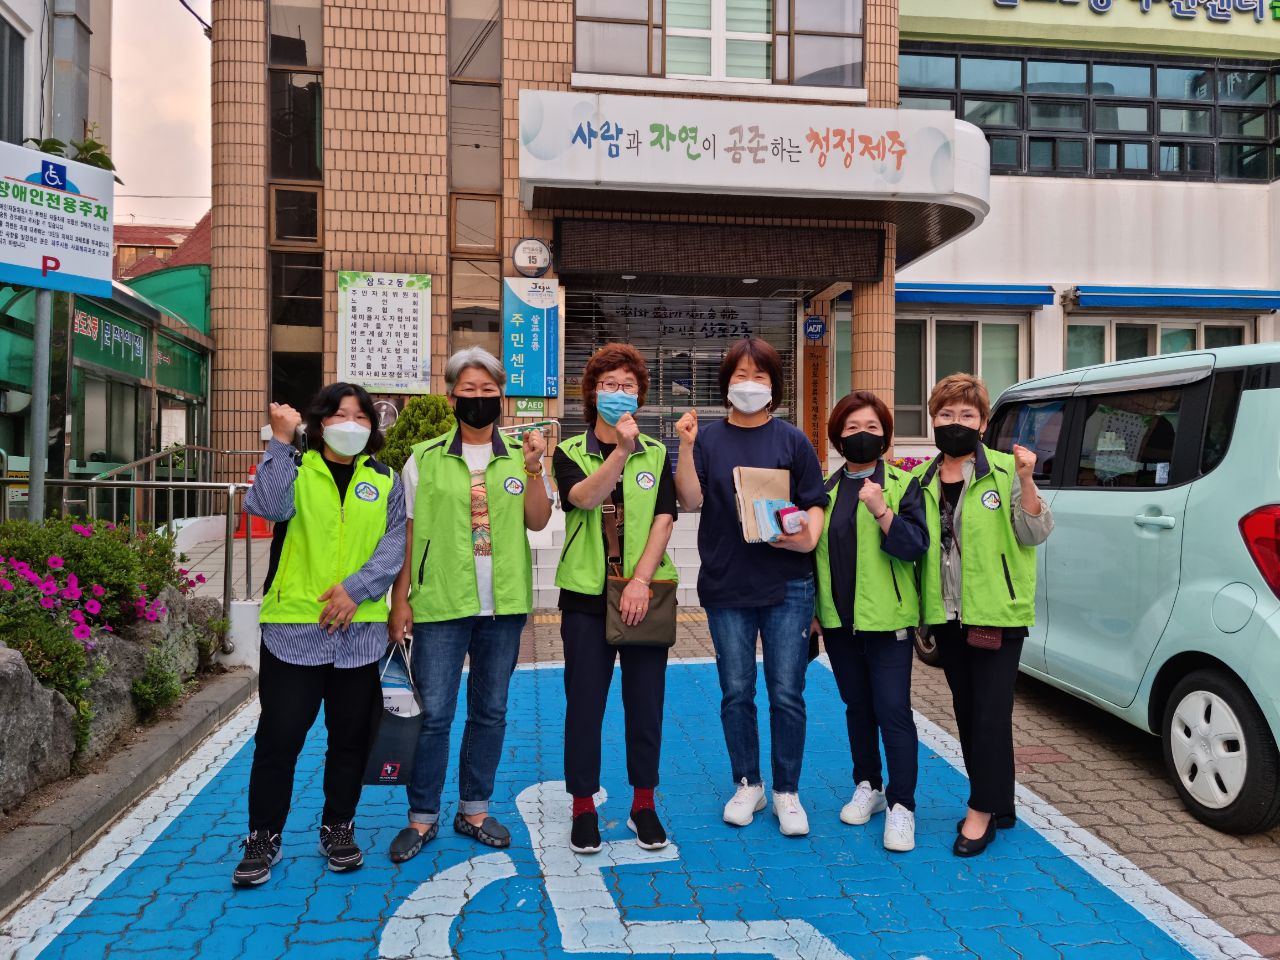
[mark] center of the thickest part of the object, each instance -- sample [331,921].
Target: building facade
[1135,200]
[699,170]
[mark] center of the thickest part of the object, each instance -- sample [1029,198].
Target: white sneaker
[746,803]
[866,803]
[792,820]
[900,829]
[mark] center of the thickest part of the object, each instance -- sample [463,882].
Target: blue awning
[1204,298]
[988,294]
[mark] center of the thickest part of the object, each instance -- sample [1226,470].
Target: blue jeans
[439,650]
[783,629]
[873,672]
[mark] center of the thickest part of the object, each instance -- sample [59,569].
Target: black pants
[291,696]
[588,671]
[873,673]
[982,683]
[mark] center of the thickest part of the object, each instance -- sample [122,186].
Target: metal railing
[187,464]
[233,508]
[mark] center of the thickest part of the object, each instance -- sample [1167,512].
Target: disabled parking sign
[159,882]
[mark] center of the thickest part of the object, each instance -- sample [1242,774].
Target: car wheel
[927,646]
[1220,753]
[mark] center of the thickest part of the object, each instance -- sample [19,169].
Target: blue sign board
[815,328]
[531,336]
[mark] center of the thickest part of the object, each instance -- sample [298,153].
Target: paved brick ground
[156,885]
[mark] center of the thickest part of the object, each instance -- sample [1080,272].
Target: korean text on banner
[384,331]
[55,222]
[531,336]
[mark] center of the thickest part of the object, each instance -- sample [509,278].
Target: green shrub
[160,685]
[421,419]
[57,660]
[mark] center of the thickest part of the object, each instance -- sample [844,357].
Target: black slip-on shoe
[408,843]
[261,853]
[648,829]
[964,847]
[338,844]
[585,835]
[1005,821]
[491,833]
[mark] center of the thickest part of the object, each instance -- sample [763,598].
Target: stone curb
[32,853]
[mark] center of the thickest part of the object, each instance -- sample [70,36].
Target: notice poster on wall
[384,331]
[531,336]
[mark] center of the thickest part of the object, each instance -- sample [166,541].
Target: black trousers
[291,697]
[982,683]
[588,672]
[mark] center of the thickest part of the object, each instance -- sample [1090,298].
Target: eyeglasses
[613,386]
[969,418]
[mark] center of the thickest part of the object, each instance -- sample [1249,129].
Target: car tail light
[1261,532]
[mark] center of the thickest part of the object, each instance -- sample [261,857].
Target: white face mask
[750,397]
[347,438]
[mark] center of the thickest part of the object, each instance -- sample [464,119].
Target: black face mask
[478,412]
[862,447]
[955,439]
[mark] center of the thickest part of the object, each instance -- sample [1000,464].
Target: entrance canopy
[922,170]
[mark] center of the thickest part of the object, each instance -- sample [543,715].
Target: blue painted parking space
[717,891]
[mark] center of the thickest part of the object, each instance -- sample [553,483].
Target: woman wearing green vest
[613,475]
[337,545]
[465,592]
[867,606]
[978,588]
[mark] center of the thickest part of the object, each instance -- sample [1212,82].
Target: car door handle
[1161,521]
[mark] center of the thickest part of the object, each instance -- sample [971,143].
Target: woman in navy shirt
[755,589]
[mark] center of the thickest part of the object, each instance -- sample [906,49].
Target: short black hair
[325,404]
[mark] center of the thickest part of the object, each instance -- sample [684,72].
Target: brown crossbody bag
[658,628]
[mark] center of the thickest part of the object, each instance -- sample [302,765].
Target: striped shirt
[309,644]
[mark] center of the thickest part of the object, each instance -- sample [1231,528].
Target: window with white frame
[1107,339]
[799,42]
[932,346]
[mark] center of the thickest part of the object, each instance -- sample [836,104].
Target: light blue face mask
[612,406]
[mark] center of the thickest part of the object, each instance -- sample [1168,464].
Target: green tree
[421,419]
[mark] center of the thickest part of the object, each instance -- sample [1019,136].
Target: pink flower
[200,578]
[76,616]
[5,585]
[111,526]
[107,627]
[48,587]
[73,580]
[90,646]
[71,593]
[48,603]
[19,566]
[92,607]
[82,632]
[98,590]
[55,563]
[182,573]
[82,529]
[151,617]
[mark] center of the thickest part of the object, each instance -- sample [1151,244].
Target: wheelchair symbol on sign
[585,910]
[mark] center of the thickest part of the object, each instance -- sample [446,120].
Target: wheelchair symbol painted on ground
[586,912]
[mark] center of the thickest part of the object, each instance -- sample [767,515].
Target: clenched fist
[284,422]
[535,445]
[872,494]
[687,428]
[628,433]
[1025,461]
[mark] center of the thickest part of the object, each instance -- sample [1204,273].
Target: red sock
[583,805]
[643,799]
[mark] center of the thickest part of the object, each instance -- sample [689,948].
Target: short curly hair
[960,388]
[612,356]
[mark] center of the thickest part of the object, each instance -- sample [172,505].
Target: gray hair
[469,357]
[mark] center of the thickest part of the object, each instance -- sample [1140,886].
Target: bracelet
[642,581]
[882,515]
[530,473]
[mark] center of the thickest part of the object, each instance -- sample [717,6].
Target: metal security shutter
[683,340]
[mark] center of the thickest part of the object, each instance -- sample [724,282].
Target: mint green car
[1159,591]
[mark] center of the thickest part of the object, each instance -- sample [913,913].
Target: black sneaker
[261,853]
[648,829]
[338,843]
[585,835]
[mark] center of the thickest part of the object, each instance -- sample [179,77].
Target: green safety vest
[884,594]
[328,539]
[442,581]
[997,573]
[582,560]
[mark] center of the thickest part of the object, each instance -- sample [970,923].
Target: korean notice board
[384,331]
[531,336]
[55,222]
